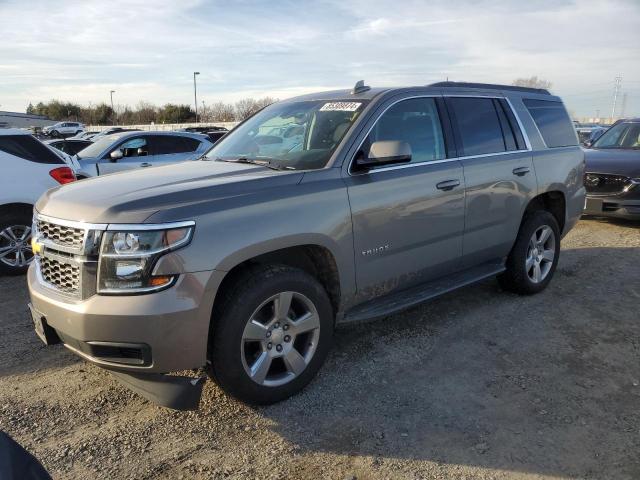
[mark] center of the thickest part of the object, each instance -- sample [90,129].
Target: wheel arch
[553,201]
[14,206]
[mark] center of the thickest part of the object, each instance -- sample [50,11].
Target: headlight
[127,257]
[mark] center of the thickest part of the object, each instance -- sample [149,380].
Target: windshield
[624,135]
[97,147]
[292,135]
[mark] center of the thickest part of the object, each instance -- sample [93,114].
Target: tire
[15,242]
[54,134]
[532,262]
[246,311]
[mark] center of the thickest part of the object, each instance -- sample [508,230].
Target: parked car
[68,145]
[112,130]
[27,169]
[84,135]
[63,129]
[245,262]
[214,133]
[130,150]
[613,172]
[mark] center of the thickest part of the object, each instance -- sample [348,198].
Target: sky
[147,50]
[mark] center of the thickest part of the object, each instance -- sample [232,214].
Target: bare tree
[532,82]
[220,112]
[248,106]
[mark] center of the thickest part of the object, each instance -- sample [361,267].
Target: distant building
[23,120]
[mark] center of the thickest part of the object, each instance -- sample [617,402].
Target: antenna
[360,87]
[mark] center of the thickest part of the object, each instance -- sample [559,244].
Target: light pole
[113,112]
[195,94]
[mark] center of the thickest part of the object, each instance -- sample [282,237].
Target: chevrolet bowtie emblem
[35,246]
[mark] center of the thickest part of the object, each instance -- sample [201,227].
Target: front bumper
[173,324]
[612,206]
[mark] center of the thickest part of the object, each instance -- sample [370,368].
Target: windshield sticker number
[340,107]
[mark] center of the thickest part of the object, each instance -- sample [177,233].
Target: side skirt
[404,299]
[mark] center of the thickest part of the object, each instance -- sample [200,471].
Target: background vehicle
[112,130]
[327,208]
[27,169]
[63,129]
[68,145]
[613,172]
[214,133]
[84,136]
[128,150]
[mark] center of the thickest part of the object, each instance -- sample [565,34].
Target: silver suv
[324,209]
[63,129]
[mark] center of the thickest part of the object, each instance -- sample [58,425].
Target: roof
[14,131]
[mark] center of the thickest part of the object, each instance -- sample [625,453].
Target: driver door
[135,154]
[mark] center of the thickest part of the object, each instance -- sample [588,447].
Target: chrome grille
[603,184]
[64,276]
[60,234]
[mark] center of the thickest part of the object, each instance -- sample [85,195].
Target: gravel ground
[476,384]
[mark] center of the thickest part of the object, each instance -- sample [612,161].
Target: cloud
[80,50]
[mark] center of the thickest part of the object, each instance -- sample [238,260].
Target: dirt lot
[477,384]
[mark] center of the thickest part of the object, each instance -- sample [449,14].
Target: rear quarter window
[28,148]
[553,122]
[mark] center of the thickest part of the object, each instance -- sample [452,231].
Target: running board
[398,301]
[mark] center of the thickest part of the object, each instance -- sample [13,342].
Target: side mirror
[116,155]
[385,152]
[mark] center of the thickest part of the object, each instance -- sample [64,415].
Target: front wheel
[534,257]
[271,334]
[15,243]
[54,134]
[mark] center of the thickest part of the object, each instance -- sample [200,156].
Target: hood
[613,161]
[135,195]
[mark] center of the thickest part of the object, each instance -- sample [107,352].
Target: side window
[29,148]
[416,122]
[190,144]
[553,121]
[135,147]
[478,124]
[169,144]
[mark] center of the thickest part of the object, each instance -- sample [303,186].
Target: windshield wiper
[254,161]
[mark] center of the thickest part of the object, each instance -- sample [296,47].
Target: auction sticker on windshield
[340,107]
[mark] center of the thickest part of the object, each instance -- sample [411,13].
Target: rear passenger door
[498,171]
[408,219]
[168,149]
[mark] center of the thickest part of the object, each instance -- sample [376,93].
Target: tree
[145,113]
[248,106]
[172,113]
[220,112]
[532,82]
[31,110]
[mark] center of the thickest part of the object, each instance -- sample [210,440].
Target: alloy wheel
[280,339]
[540,254]
[15,246]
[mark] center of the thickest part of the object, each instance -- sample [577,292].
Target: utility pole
[616,91]
[195,94]
[113,112]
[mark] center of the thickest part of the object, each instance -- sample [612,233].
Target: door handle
[448,185]
[520,171]
[145,164]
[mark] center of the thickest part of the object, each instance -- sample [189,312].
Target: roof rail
[492,86]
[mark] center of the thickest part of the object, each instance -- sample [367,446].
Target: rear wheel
[534,257]
[271,334]
[55,134]
[15,243]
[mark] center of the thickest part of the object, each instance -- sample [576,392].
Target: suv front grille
[60,234]
[604,184]
[63,276]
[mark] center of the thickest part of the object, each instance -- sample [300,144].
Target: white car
[63,129]
[28,168]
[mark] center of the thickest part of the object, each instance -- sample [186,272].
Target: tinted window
[416,122]
[623,135]
[478,125]
[135,147]
[27,147]
[168,144]
[553,122]
[191,144]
